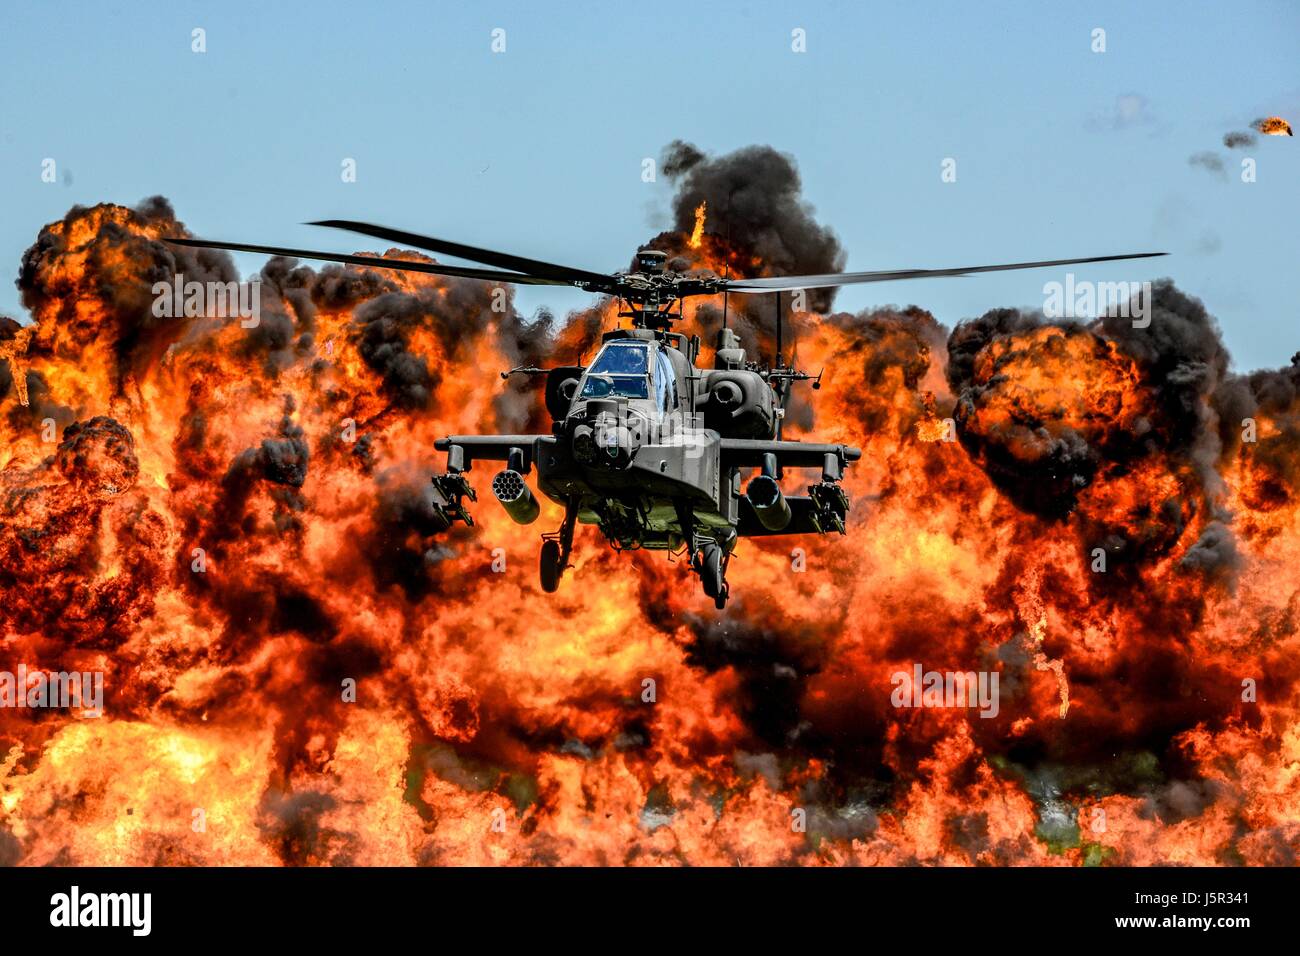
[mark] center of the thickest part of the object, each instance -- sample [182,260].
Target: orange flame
[11,351]
[697,234]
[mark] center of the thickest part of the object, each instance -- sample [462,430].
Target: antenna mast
[782,386]
[778,330]
[727,272]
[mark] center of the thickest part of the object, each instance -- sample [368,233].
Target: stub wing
[749,453]
[807,516]
[450,489]
[764,510]
[490,448]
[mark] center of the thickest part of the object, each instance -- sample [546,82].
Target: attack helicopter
[644,443]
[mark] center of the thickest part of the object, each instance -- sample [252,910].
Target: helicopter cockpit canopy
[621,369]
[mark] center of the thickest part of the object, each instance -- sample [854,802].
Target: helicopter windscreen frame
[622,369]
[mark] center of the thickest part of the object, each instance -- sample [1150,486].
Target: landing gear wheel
[550,565]
[557,547]
[711,571]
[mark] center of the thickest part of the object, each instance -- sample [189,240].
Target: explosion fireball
[1273,126]
[233,525]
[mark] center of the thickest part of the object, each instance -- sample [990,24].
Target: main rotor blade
[434,268]
[781,283]
[504,260]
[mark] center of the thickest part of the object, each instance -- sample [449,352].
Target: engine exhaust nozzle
[515,497]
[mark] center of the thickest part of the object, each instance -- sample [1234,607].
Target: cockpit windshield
[622,358]
[622,369]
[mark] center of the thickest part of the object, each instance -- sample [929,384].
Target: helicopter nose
[605,439]
[604,446]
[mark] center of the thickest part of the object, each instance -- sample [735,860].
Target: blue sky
[538,150]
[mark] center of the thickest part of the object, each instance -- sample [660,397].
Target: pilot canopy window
[665,383]
[622,369]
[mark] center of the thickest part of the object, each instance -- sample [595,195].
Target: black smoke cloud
[1214,554]
[1243,405]
[8,332]
[756,208]
[99,456]
[1209,161]
[755,202]
[1213,162]
[458,313]
[121,268]
[1183,361]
